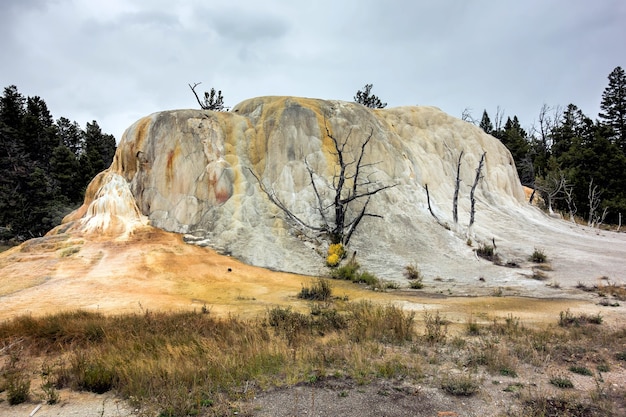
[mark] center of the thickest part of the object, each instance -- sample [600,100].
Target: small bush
[416,285]
[436,327]
[538,256]
[581,370]
[93,376]
[566,319]
[18,388]
[320,290]
[369,279]
[561,382]
[348,272]
[506,371]
[485,251]
[336,252]
[460,385]
[473,328]
[412,273]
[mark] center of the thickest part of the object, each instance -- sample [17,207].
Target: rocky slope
[195,172]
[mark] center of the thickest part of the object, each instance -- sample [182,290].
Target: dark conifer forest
[45,164]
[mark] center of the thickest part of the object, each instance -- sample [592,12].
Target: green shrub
[460,385]
[92,376]
[348,272]
[561,382]
[581,370]
[538,256]
[320,290]
[369,279]
[17,388]
[487,252]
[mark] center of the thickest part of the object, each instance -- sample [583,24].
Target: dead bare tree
[594,202]
[473,189]
[430,209]
[466,116]
[497,121]
[568,190]
[455,198]
[550,187]
[351,191]
[212,101]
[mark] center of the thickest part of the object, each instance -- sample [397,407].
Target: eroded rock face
[194,172]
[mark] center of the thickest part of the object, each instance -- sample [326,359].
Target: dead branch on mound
[350,193]
[472,191]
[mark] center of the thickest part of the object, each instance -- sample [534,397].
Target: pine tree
[613,106]
[485,123]
[367,99]
[515,139]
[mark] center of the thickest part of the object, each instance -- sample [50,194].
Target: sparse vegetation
[460,385]
[561,381]
[488,252]
[412,273]
[581,370]
[538,256]
[436,327]
[320,290]
[350,272]
[566,318]
[189,363]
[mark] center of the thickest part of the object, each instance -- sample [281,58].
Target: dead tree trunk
[571,204]
[430,209]
[455,199]
[473,190]
[594,202]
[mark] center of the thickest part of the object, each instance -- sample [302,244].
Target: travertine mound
[193,172]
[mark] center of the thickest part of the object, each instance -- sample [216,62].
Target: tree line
[45,165]
[576,164]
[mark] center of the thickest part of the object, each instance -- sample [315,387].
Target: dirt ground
[155,270]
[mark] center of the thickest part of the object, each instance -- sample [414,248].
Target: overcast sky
[115,61]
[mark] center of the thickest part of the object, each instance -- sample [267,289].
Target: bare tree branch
[348,186]
[476,179]
[455,199]
[274,199]
[430,209]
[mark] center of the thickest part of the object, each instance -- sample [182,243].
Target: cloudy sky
[115,61]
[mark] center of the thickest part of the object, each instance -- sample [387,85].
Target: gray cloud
[116,61]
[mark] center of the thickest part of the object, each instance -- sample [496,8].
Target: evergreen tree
[613,107]
[71,135]
[99,151]
[367,99]
[515,139]
[485,123]
[574,124]
[64,172]
[41,164]
[37,131]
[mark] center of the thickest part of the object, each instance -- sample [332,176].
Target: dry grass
[186,363]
